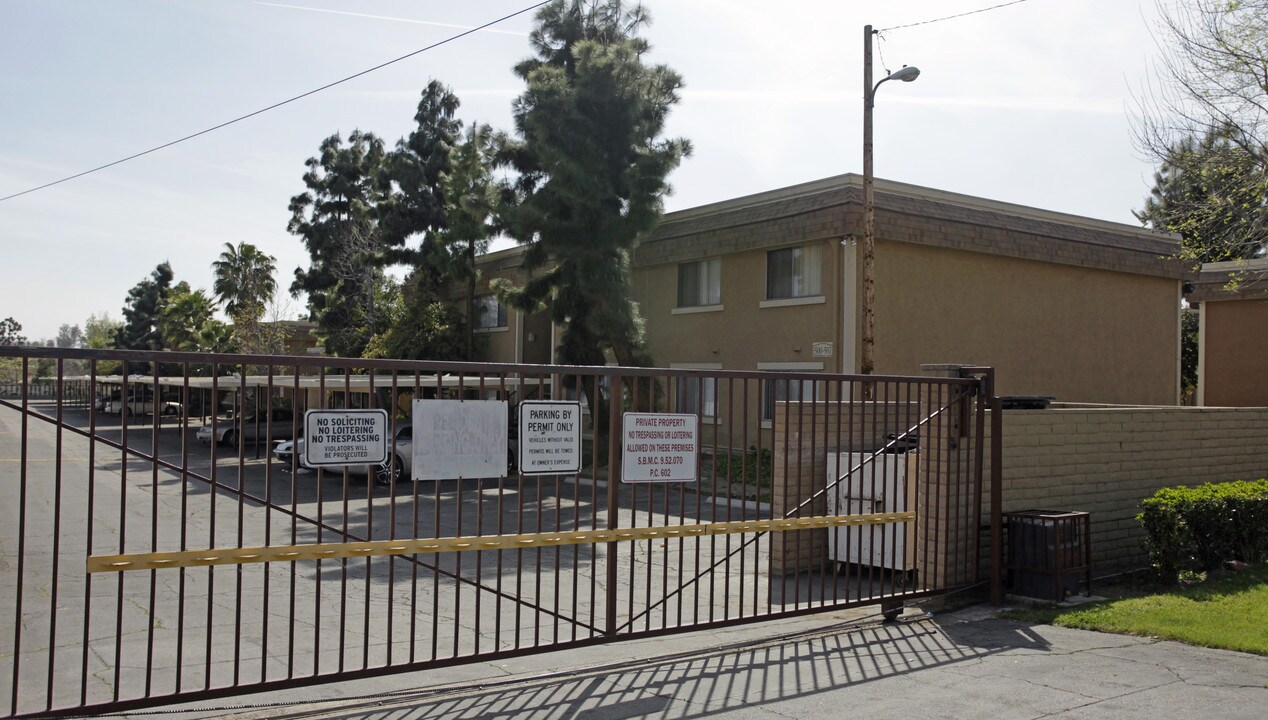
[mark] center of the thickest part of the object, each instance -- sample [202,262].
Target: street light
[907,74]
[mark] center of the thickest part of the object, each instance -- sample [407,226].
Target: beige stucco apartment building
[506,334]
[1064,306]
[1232,299]
[1079,309]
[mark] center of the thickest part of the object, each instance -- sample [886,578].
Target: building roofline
[1232,280]
[1226,266]
[892,187]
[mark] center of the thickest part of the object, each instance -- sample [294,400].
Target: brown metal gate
[142,565]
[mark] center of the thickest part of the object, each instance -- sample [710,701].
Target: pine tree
[592,171]
[337,218]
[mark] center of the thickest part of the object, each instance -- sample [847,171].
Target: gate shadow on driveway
[786,668]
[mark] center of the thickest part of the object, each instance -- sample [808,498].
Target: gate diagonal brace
[332,551]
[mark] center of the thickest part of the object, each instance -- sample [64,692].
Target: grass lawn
[1227,610]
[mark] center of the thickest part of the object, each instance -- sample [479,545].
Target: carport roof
[331,382]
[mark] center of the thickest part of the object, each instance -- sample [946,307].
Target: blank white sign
[459,439]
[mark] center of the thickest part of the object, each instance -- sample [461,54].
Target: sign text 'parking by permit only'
[550,437]
[345,437]
[659,447]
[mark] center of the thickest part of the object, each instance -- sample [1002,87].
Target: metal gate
[162,542]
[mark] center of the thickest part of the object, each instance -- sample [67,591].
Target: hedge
[1201,527]
[744,467]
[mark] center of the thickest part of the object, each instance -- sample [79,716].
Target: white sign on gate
[345,437]
[550,437]
[456,439]
[659,447]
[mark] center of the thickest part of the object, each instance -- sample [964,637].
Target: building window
[700,283]
[487,313]
[793,272]
[698,395]
[774,391]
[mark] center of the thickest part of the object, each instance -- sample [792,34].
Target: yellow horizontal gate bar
[331,551]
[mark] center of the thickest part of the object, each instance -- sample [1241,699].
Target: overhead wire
[276,105]
[952,17]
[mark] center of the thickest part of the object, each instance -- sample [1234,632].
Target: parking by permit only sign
[659,447]
[345,437]
[550,437]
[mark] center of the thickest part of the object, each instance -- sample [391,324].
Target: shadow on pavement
[707,682]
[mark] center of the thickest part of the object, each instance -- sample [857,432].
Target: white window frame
[709,285]
[819,389]
[704,382]
[804,292]
[501,314]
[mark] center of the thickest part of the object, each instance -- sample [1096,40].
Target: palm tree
[244,281]
[183,316]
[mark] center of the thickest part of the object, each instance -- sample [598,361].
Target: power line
[952,17]
[276,105]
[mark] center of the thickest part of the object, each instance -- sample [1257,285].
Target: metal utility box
[873,483]
[1048,552]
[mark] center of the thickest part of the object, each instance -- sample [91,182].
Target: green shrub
[1187,527]
[736,467]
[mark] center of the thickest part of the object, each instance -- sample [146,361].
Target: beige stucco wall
[1075,333]
[498,345]
[1234,361]
[742,334]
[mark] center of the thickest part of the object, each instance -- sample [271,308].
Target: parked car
[276,424]
[403,447]
[140,401]
[291,454]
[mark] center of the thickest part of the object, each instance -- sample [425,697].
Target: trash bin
[1048,552]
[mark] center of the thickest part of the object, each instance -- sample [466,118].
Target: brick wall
[1104,460]
[1096,459]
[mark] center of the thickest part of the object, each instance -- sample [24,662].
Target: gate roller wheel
[891,612]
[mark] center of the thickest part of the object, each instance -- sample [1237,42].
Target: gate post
[799,453]
[947,516]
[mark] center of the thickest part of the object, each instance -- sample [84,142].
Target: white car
[138,402]
[291,454]
[278,424]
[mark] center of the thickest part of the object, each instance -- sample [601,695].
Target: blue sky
[1029,104]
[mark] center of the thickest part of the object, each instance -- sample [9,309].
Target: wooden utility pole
[867,363]
[906,74]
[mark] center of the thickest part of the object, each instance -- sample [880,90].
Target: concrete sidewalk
[961,664]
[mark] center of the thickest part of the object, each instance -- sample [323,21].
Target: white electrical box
[870,483]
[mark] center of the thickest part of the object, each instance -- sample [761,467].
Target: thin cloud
[390,18]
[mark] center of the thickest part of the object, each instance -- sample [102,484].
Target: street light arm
[906,74]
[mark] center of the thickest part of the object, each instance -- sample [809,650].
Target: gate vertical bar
[17,619]
[979,429]
[89,521]
[57,534]
[156,403]
[614,491]
[997,499]
[184,530]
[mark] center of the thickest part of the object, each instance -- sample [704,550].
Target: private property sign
[550,437]
[345,437]
[659,447]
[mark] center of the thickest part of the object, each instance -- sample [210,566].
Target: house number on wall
[821,349]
